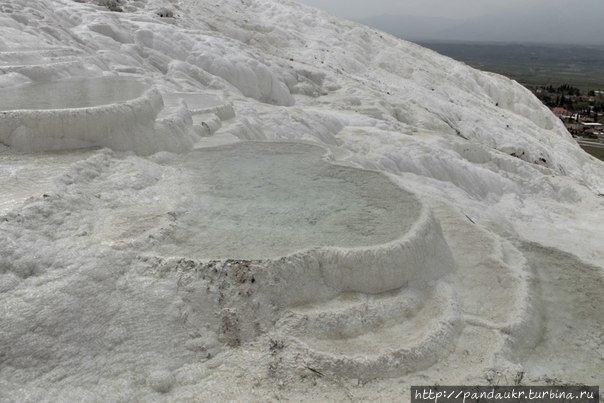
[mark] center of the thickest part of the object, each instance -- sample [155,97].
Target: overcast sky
[453,8]
[535,21]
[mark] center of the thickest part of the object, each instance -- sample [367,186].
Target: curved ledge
[46,71]
[348,229]
[123,126]
[417,257]
[411,345]
[199,103]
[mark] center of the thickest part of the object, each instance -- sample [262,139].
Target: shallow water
[78,93]
[254,200]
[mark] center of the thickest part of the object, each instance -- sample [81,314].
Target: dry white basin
[112,112]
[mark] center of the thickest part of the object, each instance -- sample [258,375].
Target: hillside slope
[254,200]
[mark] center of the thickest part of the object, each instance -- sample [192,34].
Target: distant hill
[411,27]
[547,26]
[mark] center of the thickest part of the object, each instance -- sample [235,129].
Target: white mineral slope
[105,294]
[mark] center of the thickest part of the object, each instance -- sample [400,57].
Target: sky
[459,9]
[518,21]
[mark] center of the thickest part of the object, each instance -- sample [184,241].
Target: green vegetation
[533,65]
[597,152]
[588,105]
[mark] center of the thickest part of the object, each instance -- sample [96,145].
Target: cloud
[453,8]
[554,21]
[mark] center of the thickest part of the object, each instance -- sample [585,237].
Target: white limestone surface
[111,289]
[62,115]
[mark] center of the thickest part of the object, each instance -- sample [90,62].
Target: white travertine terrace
[169,233]
[61,115]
